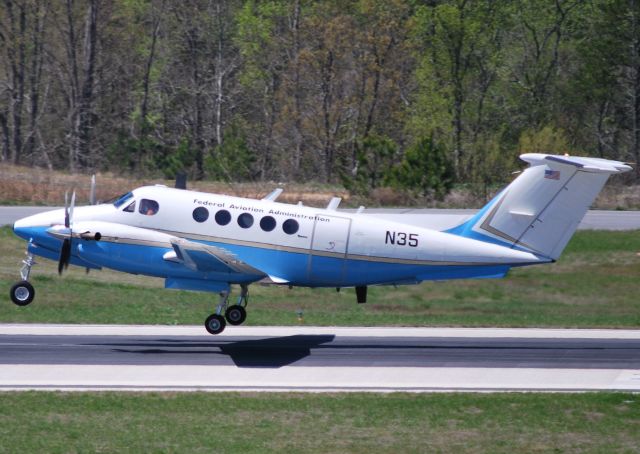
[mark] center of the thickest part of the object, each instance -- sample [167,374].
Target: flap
[273,280]
[206,258]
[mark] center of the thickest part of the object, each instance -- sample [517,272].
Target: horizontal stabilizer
[594,165]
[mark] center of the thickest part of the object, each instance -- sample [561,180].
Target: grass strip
[357,423]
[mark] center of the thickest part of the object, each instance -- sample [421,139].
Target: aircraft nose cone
[21,228]
[34,226]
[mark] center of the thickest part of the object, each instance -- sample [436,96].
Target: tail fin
[541,209]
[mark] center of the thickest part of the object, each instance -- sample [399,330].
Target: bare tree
[15,47]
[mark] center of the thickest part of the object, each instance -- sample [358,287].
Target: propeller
[92,201]
[65,255]
[92,192]
[65,251]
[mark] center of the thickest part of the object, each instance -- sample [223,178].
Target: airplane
[209,242]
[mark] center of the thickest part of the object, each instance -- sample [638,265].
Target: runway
[317,359]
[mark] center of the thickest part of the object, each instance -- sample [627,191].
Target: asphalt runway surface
[322,351]
[316,359]
[593,220]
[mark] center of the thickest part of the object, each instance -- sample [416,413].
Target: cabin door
[329,247]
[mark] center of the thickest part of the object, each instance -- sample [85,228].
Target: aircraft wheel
[215,324]
[236,315]
[22,293]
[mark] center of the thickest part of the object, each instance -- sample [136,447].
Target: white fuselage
[292,243]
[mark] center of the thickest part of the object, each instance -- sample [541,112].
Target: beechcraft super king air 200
[207,242]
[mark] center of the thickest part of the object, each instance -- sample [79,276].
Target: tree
[538,39]
[425,168]
[375,158]
[458,45]
[263,41]
[604,95]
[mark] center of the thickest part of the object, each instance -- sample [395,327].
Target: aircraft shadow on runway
[273,352]
[276,352]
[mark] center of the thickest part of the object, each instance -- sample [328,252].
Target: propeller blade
[65,255]
[92,193]
[66,209]
[65,250]
[71,207]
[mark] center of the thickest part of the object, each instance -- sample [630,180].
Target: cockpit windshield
[123,199]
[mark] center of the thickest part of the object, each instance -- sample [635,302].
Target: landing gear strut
[22,293]
[234,315]
[237,314]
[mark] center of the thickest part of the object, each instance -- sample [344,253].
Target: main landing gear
[22,293]
[234,315]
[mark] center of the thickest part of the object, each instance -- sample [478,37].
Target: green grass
[357,423]
[596,283]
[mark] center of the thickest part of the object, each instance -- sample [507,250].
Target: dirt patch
[34,186]
[23,185]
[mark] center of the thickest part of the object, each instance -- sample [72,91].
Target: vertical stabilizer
[541,209]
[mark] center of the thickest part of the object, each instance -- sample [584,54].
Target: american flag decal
[552,174]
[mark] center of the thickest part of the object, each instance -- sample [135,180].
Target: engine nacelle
[89,236]
[120,246]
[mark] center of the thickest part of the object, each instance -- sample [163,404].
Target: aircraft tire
[22,293]
[215,324]
[235,315]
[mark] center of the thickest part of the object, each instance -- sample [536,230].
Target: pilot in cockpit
[148,207]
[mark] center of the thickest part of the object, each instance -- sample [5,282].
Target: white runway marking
[274,331]
[311,379]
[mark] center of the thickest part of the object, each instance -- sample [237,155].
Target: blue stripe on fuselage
[291,266]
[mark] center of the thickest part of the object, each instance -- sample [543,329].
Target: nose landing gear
[22,293]
[234,315]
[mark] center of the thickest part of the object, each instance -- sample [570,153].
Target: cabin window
[245,220]
[148,207]
[267,223]
[131,208]
[223,217]
[290,226]
[200,214]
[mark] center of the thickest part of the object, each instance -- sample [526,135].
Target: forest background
[412,94]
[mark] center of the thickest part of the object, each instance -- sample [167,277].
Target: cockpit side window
[131,208]
[123,199]
[148,207]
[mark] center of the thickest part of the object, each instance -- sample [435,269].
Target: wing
[207,258]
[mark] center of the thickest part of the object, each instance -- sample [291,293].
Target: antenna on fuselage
[273,195]
[333,203]
[181,180]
